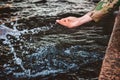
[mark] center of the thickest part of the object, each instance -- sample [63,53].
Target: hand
[72,22]
[69,22]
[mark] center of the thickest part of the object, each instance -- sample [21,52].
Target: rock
[111,63]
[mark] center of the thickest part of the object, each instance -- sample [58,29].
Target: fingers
[67,19]
[64,22]
[67,22]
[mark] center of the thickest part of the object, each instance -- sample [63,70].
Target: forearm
[102,8]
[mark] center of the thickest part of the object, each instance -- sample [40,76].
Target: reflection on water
[48,51]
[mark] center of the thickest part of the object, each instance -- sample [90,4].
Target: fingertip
[57,20]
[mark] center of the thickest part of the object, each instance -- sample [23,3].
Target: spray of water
[16,33]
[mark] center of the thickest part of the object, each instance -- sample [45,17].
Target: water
[35,47]
[51,55]
[18,61]
[16,33]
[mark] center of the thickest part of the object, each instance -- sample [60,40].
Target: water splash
[5,31]
[46,59]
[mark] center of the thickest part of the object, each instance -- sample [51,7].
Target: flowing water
[49,51]
[39,49]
